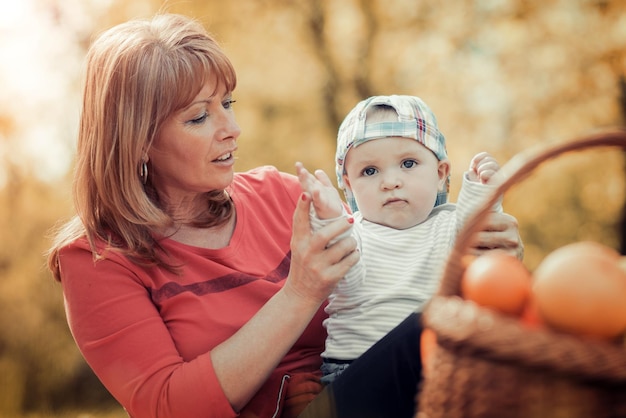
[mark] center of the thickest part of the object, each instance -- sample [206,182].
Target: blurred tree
[622,87]
[38,359]
[40,366]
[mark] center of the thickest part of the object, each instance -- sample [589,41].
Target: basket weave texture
[489,365]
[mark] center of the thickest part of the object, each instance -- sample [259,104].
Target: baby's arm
[326,199]
[484,169]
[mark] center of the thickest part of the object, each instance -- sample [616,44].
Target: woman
[187,290]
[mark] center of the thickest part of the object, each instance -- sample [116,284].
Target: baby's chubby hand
[484,169]
[326,200]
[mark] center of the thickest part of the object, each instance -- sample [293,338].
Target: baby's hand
[485,169]
[326,199]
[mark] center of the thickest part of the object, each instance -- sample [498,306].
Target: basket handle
[515,170]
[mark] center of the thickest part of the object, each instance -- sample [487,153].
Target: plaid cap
[415,120]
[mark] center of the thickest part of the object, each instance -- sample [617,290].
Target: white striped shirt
[398,272]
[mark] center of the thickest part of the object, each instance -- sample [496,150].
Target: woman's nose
[229,127]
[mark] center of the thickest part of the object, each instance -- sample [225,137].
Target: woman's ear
[443,171]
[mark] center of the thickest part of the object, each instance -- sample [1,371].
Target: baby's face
[394,180]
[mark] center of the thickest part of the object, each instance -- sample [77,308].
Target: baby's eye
[200,119]
[228,103]
[409,163]
[369,171]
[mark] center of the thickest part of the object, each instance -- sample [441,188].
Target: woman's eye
[228,103]
[369,171]
[200,119]
[409,163]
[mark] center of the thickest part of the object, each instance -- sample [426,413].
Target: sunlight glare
[40,71]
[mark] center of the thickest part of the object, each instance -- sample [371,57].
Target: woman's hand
[316,266]
[500,232]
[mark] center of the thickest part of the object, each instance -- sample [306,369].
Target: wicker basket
[488,365]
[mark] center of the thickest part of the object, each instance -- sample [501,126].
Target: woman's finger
[301,228]
[500,232]
[496,221]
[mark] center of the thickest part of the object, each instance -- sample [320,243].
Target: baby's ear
[443,171]
[346,182]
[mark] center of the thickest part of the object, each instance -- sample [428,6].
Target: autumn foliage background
[503,76]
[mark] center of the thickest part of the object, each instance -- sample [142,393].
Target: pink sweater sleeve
[125,341]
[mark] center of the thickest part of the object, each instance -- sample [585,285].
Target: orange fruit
[530,314]
[590,247]
[499,281]
[581,289]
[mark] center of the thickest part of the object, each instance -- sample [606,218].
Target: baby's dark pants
[381,383]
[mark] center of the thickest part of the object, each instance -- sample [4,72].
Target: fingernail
[303,197]
[350,220]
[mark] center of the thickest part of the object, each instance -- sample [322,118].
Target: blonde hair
[137,74]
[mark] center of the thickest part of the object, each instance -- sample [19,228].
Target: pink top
[147,333]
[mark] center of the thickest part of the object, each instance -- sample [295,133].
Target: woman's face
[193,151]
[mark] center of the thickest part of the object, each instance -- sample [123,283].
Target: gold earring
[143,172]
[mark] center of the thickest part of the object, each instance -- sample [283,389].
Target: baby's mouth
[394,201]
